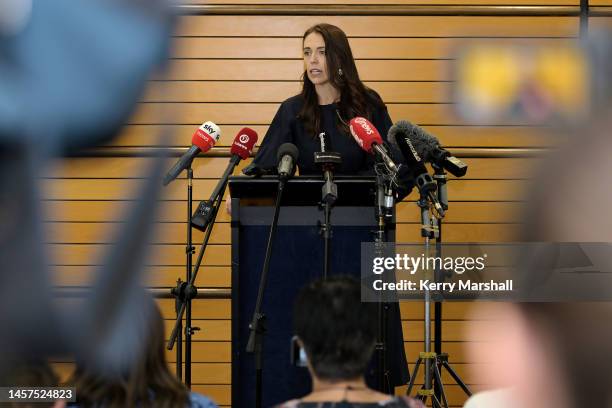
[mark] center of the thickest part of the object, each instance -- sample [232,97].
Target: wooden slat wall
[235,70]
[601,23]
[407,2]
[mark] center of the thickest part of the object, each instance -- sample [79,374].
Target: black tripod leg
[435,402]
[416,371]
[458,380]
[388,382]
[438,379]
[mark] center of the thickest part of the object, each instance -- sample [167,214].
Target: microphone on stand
[328,161]
[329,194]
[368,138]
[203,140]
[241,149]
[399,135]
[429,148]
[287,157]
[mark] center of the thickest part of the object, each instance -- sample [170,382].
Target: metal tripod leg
[434,361]
[443,361]
[429,359]
[413,376]
[438,379]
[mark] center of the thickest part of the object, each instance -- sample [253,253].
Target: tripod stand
[433,362]
[203,219]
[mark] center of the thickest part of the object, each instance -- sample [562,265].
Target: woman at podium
[315,120]
[332,94]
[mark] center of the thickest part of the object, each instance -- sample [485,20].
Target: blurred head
[147,383]
[564,348]
[335,328]
[328,60]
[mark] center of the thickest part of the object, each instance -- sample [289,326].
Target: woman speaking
[332,94]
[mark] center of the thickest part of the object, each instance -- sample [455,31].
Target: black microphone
[429,148]
[287,157]
[399,135]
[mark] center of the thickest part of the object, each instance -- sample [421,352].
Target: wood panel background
[235,70]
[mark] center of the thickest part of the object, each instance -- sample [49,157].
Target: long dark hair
[355,97]
[148,383]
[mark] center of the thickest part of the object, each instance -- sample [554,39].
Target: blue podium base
[297,259]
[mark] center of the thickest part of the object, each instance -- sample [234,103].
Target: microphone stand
[329,195]
[429,230]
[433,362]
[179,290]
[257,326]
[440,275]
[441,179]
[384,213]
[184,292]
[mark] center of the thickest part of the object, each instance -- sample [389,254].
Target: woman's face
[315,62]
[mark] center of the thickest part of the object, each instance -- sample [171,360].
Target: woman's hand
[228,204]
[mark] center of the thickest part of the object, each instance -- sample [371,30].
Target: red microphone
[206,136]
[368,138]
[243,143]
[240,150]
[202,141]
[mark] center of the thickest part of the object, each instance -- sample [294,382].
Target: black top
[397,402]
[288,127]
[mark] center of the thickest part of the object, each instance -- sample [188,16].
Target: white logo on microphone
[210,129]
[364,124]
[244,138]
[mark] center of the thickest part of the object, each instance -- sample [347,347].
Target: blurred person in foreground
[32,374]
[338,332]
[148,383]
[71,75]
[556,355]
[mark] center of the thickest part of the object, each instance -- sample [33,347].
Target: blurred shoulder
[289,404]
[199,401]
[500,398]
[403,402]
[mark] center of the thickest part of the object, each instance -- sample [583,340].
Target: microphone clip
[427,188]
[385,194]
[203,215]
[328,162]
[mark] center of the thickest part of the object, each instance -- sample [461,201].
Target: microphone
[368,138]
[287,157]
[243,144]
[429,148]
[241,149]
[399,135]
[203,140]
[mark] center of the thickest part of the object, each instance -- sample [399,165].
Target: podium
[297,259]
